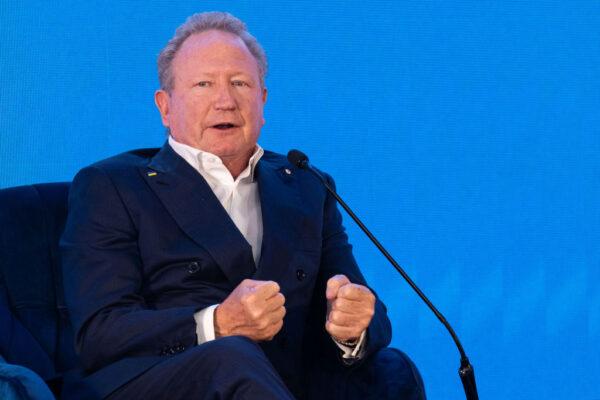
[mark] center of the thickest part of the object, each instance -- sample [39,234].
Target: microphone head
[298,158]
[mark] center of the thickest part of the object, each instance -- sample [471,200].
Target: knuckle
[329,327]
[331,316]
[334,316]
[360,289]
[281,297]
[245,283]
[273,330]
[246,298]
[262,325]
[345,291]
[254,313]
[275,285]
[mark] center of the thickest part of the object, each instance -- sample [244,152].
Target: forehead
[214,50]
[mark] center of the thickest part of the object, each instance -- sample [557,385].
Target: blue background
[464,132]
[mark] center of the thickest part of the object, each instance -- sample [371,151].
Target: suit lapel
[194,207]
[281,214]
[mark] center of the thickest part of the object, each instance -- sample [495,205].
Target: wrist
[347,342]
[218,323]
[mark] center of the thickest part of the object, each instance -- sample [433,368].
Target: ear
[161,99]
[264,100]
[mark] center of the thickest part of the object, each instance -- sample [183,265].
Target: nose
[224,98]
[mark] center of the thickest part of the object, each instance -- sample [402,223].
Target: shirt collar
[204,161]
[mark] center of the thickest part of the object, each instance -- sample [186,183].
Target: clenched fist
[350,308]
[254,309]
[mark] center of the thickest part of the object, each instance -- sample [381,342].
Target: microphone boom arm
[465,371]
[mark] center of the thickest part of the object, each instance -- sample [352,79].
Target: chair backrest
[34,318]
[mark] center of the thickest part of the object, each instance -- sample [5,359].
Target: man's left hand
[350,308]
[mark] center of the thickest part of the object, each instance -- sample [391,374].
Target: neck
[234,168]
[236,165]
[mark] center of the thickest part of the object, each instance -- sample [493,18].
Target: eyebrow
[212,74]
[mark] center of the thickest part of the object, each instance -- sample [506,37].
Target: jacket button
[179,348]
[300,274]
[193,267]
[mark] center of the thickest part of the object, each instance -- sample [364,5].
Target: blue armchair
[35,332]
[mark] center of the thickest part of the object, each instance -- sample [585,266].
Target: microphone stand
[465,371]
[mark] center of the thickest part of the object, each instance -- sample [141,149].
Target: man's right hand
[254,309]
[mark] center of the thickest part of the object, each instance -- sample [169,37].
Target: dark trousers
[236,368]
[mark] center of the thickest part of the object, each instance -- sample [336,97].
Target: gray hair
[201,22]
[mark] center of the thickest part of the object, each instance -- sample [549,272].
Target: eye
[203,84]
[239,83]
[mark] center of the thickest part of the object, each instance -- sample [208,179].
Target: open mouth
[223,126]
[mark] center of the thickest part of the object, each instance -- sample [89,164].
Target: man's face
[216,103]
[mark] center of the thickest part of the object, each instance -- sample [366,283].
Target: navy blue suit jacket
[147,244]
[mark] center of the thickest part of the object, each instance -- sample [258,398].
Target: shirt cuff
[205,328]
[353,352]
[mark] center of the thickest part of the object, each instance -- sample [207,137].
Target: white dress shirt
[240,198]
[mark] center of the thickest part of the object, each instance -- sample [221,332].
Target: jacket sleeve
[337,258]
[103,281]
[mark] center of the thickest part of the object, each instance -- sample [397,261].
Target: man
[211,268]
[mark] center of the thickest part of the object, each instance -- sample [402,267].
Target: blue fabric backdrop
[466,133]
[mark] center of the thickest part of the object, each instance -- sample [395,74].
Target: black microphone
[466,372]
